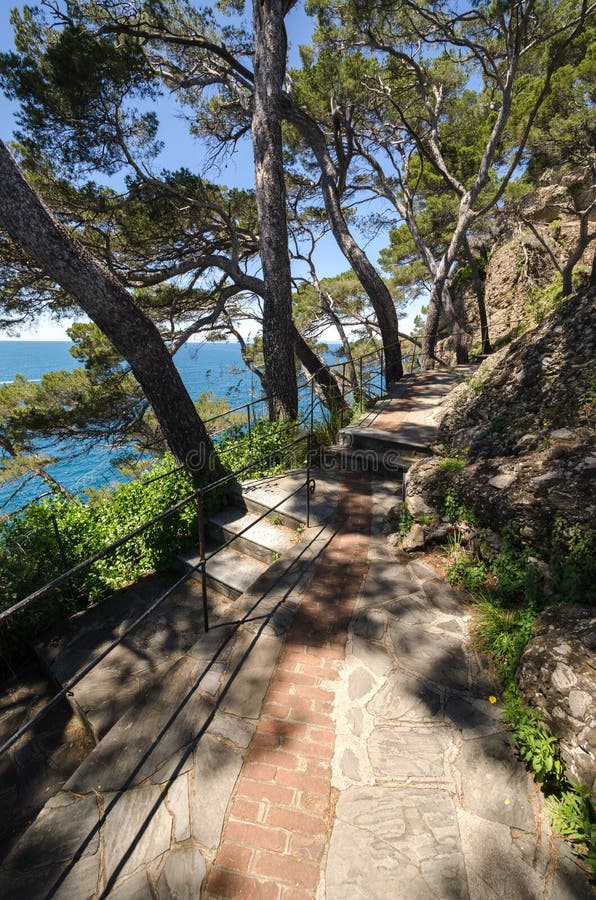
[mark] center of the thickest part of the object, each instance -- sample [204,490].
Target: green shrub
[267,439]
[572,554]
[502,634]
[572,816]
[536,746]
[468,572]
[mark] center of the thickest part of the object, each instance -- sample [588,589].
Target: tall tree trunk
[321,373]
[269,73]
[431,327]
[33,227]
[376,289]
[454,324]
[478,283]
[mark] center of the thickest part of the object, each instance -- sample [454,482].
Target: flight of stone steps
[148,653]
[155,688]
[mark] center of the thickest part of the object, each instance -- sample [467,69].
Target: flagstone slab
[408,837]
[494,784]
[402,752]
[214,775]
[56,835]
[433,654]
[182,875]
[135,887]
[137,829]
[496,869]
[404,697]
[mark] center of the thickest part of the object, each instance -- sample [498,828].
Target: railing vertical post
[361,386]
[382,371]
[249,431]
[202,554]
[343,395]
[413,358]
[308,451]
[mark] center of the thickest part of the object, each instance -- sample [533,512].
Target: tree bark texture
[376,289]
[269,73]
[33,227]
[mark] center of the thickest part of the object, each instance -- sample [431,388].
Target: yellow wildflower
[492,699]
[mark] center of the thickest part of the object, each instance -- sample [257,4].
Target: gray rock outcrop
[557,675]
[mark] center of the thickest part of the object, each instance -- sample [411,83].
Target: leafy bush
[31,555]
[572,554]
[503,634]
[49,537]
[269,439]
[509,594]
[468,572]
[571,815]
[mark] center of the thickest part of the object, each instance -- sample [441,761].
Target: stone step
[265,494]
[411,442]
[351,459]
[141,660]
[228,572]
[264,540]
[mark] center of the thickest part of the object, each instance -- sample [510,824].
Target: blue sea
[215,367]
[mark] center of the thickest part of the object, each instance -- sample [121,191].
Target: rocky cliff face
[518,447]
[525,426]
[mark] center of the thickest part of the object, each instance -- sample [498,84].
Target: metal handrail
[204,557]
[105,551]
[93,663]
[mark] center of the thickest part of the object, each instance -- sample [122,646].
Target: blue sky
[180,149]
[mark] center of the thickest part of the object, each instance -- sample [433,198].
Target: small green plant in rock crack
[467,571]
[536,746]
[478,382]
[455,510]
[572,816]
[589,395]
[276,519]
[452,464]
[502,633]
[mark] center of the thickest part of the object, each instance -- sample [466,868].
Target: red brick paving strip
[279,817]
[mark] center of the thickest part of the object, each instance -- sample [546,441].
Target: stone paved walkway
[334,741]
[379,768]
[282,807]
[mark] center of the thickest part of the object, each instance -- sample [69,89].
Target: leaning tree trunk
[376,289]
[269,73]
[33,227]
[321,373]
